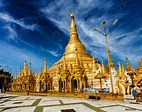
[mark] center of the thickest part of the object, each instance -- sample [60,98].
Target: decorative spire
[74,42]
[73,29]
[122,71]
[129,68]
[25,64]
[30,69]
[20,72]
[110,60]
[25,69]
[119,70]
[103,67]
[93,66]
[45,66]
[16,74]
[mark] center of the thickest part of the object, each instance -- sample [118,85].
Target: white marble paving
[52,98]
[137,106]
[101,103]
[48,102]
[21,109]
[2,99]
[114,106]
[34,97]
[20,98]
[77,108]
[72,100]
[11,103]
[119,109]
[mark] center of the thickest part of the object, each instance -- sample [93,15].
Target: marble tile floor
[15,103]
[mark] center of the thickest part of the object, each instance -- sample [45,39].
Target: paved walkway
[14,103]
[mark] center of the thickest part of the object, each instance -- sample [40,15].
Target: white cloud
[54,53]
[12,33]
[10,19]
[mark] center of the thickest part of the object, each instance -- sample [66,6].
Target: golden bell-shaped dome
[70,50]
[74,42]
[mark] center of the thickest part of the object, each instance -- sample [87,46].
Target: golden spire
[30,69]
[103,68]
[16,75]
[119,73]
[123,70]
[93,66]
[25,64]
[74,42]
[110,60]
[129,68]
[45,66]
[25,68]
[73,30]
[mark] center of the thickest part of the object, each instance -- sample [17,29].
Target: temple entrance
[74,85]
[60,85]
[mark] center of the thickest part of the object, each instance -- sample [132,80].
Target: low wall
[18,93]
[65,94]
[101,96]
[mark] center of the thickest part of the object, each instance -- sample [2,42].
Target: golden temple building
[77,70]
[25,81]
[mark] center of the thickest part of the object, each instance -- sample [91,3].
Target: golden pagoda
[71,69]
[25,80]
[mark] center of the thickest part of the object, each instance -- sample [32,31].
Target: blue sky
[38,29]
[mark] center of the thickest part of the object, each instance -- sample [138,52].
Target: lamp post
[105,34]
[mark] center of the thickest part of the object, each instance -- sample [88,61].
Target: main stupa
[75,52]
[70,72]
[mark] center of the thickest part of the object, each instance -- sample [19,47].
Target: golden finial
[25,63]
[30,67]
[45,65]
[72,16]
